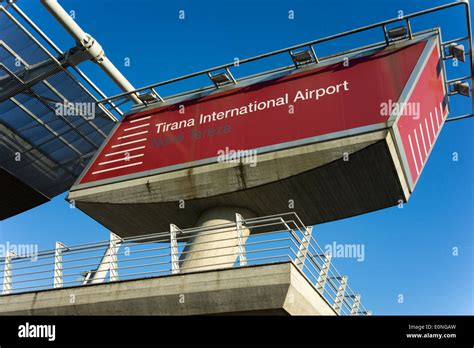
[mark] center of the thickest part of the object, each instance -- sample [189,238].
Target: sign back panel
[424,115]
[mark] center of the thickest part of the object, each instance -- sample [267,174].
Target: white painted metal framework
[303,55]
[275,238]
[42,147]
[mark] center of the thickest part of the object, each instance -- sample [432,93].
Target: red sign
[277,112]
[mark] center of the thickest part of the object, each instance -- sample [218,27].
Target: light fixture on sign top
[302,57]
[220,78]
[457,51]
[397,33]
[461,88]
[150,97]
[223,78]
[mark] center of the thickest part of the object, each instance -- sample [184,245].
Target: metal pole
[340,295]
[7,273]
[323,274]
[113,250]
[355,305]
[58,265]
[240,240]
[174,249]
[90,45]
[303,249]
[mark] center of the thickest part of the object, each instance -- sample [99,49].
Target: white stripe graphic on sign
[130,142]
[418,145]
[437,119]
[423,139]
[428,132]
[121,159]
[136,127]
[413,154]
[128,150]
[432,125]
[115,168]
[132,135]
[140,119]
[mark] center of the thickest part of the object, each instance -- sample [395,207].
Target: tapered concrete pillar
[215,248]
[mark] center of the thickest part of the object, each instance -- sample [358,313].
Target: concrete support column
[216,248]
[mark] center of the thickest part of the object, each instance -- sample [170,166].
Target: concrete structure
[271,289]
[324,162]
[216,248]
[315,177]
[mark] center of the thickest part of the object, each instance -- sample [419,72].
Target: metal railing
[276,238]
[382,27]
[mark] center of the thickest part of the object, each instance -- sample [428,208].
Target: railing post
[174,249]
[340,295]
[303,249]
[240,240]
[7,273]
[355,305]
[113,251]
[58,265]
[323,274]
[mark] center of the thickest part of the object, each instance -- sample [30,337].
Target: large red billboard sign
[274,113]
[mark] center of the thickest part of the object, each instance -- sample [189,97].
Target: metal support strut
[174,230]
[340,295]
[303,249]
[58,264]
[240,239]
[7,273]
[88,48]
[323,274]
[355,305]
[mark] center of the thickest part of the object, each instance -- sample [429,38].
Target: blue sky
[407,251]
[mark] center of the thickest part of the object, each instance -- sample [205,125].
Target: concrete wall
[327,188]
[272,289]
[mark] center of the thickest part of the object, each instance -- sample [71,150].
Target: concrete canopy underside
[272,289]
[316,178]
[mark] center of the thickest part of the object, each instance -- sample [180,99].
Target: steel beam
[90,47]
